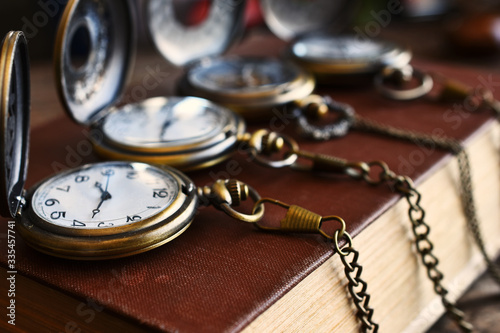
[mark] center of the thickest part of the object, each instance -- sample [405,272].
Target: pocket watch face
[323,54]
[104,196]
[323,48]
[163,123]
[242,75]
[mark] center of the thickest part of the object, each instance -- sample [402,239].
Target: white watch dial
[242,75]
[159,122]
[105,195]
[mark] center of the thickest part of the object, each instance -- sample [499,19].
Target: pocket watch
[351,59]
[100,210]
[343,59]
[183,132]
[91,81]
[115,209]
[249,86]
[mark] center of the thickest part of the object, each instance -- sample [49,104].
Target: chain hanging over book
[114,146]
[270,251]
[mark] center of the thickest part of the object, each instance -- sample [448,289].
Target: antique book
[223,275]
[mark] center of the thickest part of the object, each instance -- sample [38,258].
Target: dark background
[39,18]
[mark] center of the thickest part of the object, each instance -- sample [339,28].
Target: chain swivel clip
[229,193]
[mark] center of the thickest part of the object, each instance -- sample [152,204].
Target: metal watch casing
[91,91]
[112,242]
[251,86]
[346,59]
[14,121]
[160,226]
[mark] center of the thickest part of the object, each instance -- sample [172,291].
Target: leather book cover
[221,274]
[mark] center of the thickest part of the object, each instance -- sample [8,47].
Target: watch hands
[105,195]
[167,123]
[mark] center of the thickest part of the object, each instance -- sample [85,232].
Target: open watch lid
[93,55]
[181,44]
[15,111]
[291,19]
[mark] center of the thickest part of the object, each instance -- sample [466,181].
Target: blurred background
[454,31]
[466,27]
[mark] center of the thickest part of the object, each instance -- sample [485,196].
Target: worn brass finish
[227,194]
[184,162]
[301,220]
[14,120]
[107,243]
[424,86]
[187,157]
[257,103]
[421,230]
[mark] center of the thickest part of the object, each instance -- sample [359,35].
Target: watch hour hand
[105,195]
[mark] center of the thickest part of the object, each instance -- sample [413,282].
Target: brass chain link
[228,194]
[403,185]
[467,191]
[421,230]
[358,288]
[471,215]
[301,220]
[424,246]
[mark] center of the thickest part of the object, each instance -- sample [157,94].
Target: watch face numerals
[159,122]
[82,179]
[64,189]
[105,195]
[242,75]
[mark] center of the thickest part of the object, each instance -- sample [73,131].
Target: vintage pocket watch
[101,210]
[183,132]
[108,209]
[344,59]
[354,60]
[90,83]
[337,59]
[115,209]
[249,86]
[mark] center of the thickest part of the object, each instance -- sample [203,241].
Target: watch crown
[237,190]
[272,143]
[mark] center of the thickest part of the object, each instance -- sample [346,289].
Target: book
[222,275]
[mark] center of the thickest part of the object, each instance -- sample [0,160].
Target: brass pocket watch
[109,209]
[340,58]
[177,131]
[96,211]
[115,209]
[183,132]
[350,60]
[248,86]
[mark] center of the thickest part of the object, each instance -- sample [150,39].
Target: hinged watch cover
[180,44]
[94,55]
[291,19]
[15,109]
